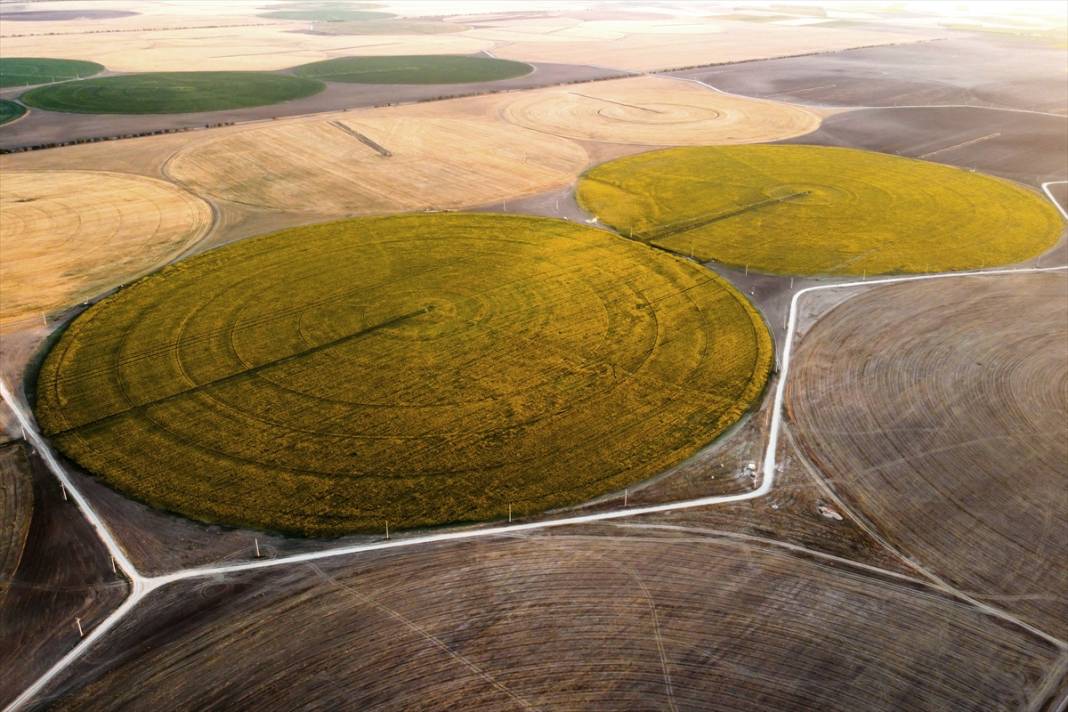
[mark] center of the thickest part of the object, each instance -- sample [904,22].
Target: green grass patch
[24,71]
[413,69]
[420,369]
[10,110]
[171,92]
[812,210]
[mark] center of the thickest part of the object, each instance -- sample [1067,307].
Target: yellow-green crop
[817,210]
[417,369]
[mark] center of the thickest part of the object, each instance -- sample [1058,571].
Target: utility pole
[78,622]
[257,543]
[387,529]
[114,569]
[509,514]
[626,497]
[63,489]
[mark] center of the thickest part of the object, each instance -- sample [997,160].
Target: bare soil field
[70,234]
[655,111]
[52,570]
[977,71]
[56,127]
[1030,148]
[321,165]
[942,423]
[563,621]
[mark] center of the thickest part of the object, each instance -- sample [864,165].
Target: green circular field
[811,210]
[413,69]
[420,369]
[171,92]
[24,71]
[9,111]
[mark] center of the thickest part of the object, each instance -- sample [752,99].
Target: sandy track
[319,166]
[656,111]
[942,422]
[68,235]
[562,622]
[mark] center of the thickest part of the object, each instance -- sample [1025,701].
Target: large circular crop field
[171,92]
[23,71]
[815,210]
[413,69]
[420,369]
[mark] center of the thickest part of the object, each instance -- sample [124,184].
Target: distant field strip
[813,210]
[413,69]
[420,370]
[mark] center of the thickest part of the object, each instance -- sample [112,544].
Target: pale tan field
[656,111]
[247,48]
[67,235]
[319,165]
[638,49]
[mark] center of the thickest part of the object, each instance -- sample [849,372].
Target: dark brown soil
[977,71]
[63,573]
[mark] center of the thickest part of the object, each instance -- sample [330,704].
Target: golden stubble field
[68,235]
[656,111]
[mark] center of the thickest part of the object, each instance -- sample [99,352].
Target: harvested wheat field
[208,49]
[812,210]
[710,43]
[654,111]
[387,161]
[561,622]
[416,369]
[68,235]
[938,411]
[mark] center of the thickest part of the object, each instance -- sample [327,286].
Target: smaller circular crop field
[171,92]
[25,71]
[420,369]
[812,210]
[10,110]
[413,69]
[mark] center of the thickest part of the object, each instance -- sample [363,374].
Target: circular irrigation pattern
[25,71]
[420,370]
[815,210]
[655,112]
[171,92]
[413,69]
